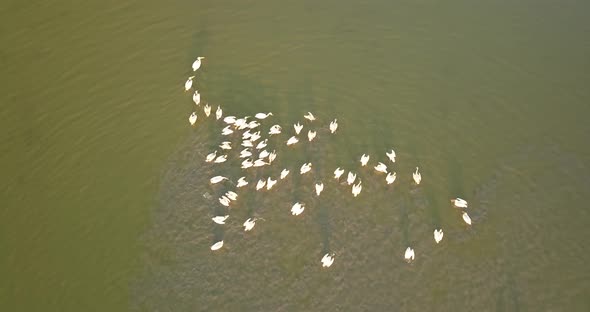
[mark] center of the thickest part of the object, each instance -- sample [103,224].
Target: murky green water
[103,178]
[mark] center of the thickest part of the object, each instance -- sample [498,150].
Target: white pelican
[390,178]
[276,129]
[218,113]
[327,260]
[192,118]
[309,116]
[260,163]
[220,159]
[197,97]
[217,245]
[466,218]
[260,184]
[189,83]
[351,177]
[245,153]
[270,183]
[334,126]
[297,209]
[225,145]
[417,176]
[381,167]
[255,136]
[357,188]
[247,143]
[246,135]
[224,201]
[364,160]
[217,179]
[284,173]
[220,219]
[409,255]
[338,173]
[227,131]
[459,203]
[319,187]
[247,163]
[292,140]
[262,144]
[231,195]
[311,135]
[438,235]
[242,182]
[249,224]
[262,115]
[272,156]
[391,155]
[211,156]
[305,168]
[298,127]
[230,120]
[207,110]
[263,154]
[253,124]
[197,63]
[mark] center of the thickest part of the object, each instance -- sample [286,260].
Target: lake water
[107,204]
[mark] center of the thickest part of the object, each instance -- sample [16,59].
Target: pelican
[249,224]
[390,178]
[351,177]
[364,160]
[197,97]
[207,110]
[297,209]
[311,135]
[276,129]
[338,173]
[211,156]
[409,255]
[334,126]
[218,113]
[292,140]
[272,156]
[305,168]
[391,155]
[262,115]
[247,164]
[247,143]
[466,218]
[262,144]
[225,145]
[197,63]
[220,159]
[253,124]
[260,184]
[255,136]
[217,245]
[438,235]
[231,195]
[224,201]
[245,153]
[357,188]
[217,179]
[459,203]
[220,219]
[381,167]
[226,131]
[230,120]
[270,183]
[189,83]
[259,163]
[309,116]
[242,182]
[417,176]
[298,127]
[284,173]
[192,118]
[263,154]
[327,260]
[319,187]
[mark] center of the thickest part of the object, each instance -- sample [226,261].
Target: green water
[103,178]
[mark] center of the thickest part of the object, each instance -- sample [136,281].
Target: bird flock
[255,154]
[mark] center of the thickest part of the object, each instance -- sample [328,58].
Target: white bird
[262,144]
[391,155]
[305,168]
[334,126]
[255,136]
[292,140]
[409,255]
[247,143]
[459,203]
[297,209]
[466,218]
[218,113]
[311,135]
[272,156]
[197,63]
[246,135]
[217,245]
[327,260]
[351,178]
[227,131]
[242,182]
[249,224]
[309,116]
[284,173]
[241,123]
[192,118]
[262,115]
[220,219]
[263,154]
[230,120]
[260,184]
[381,167]
[189,83]
[390,178]
[276,129]
[220,159]
[207,110]
[270,183]
[364,160]
[338,173]
[438,235]
[245,153]
[247,163]
[224,201]
[298,127]
[217,179]
[356,189]
[211,156]
[225,145]
[260,163]
[231,195]
[417,176]
[197,97]
[253,124]
[319,187]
